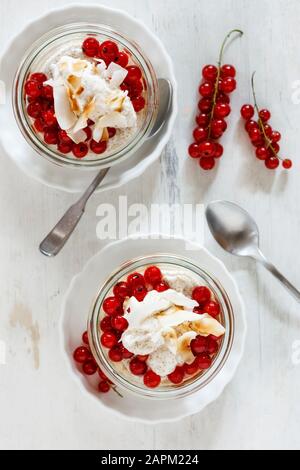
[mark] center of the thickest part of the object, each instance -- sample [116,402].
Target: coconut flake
[64,114]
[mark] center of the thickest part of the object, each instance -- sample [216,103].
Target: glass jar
[167,391]
[49,45]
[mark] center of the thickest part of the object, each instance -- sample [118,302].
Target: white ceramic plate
[74,179]
[78,302]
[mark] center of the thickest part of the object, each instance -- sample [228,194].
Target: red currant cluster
[83,356]
[262,136]
[40,102]
[214,107]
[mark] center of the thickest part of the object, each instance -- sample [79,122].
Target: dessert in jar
[87,99]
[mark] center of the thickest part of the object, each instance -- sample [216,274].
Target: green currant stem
[214,101]
[260,123]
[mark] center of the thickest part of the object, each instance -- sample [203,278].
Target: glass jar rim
[196,383]
[24,69]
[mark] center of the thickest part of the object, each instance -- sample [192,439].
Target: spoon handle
[281,278]
[62,231]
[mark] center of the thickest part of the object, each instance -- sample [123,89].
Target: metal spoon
[236,232]
[58,237]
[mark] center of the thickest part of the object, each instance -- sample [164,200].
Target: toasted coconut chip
[80,124]
[184,347]
[80,65]
[113,119]
[97,133]
[74,83]
[116,74]
[77,137]
[73,101]
[105,135]
[63,111]
[208,325]
[116,103]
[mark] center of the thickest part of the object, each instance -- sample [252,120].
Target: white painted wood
[39,407]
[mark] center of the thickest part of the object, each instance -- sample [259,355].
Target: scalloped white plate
[77,304]
[75,179]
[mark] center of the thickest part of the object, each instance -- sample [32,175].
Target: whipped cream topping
[163,326]
[86,90]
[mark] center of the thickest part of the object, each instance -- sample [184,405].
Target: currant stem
[240,32]
[260,123]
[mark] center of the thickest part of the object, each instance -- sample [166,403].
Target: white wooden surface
[39,408]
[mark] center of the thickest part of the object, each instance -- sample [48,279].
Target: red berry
[112,306]
[202,120]
[137,367]
[49,118]
[218,150]
[205,105]
[222,110]
[126,354]
[89,367]
[39,77]
[199,345]
[268,130]
[201,295]
[39,125]
[153,275]
[212,346]
[104,387]
[33,89]
[102,375]
[287,164]
[276,147]
[177,376]
[161,286]
[192,369]
[64,148]
[247,111]
[109,340]
[212,308]
[218,126]
[206,90]
[207,149]
[207,163]
[119,323]
[275,136]
[200,134]
[272,163]
[98,147]
[139,293]
[51,137]
[135,279]
[48,92]
[108,51]
[90,47]
[88,132]
[134,74]
[204,361]
[122,290]
[255,134]
[34,109]
[228,71]
[262,153]
[85,337]
[122,59]
[222,98]
[250,125]
[64,138]
[210,73]
[265,115]
[82,354]
[138,103]
[116,354]
[111,132]
[199,310]
[194,151]
[151,379]
[80,150]
[105,324]
[228,85]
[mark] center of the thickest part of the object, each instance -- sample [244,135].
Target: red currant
[126,354]
[194,151]
[218,150]
[51,137]
[49,118]
[153,275]
[119,323]
[137,367]
[212,346]
[122,59]
[200,134]
[90,367]
[202,295]
[222,98]
[204,361]
[212,308]
[162,286]
[64,138]
[121,290]
[105,324]
[272,163]
[90,47]
[192,369]
[228,85]
[64,148]
[82,354]
[265,115]
[104,387]
[222,110]
[134,74]
[135,279]
[98,147]
[275,136]
[262,153]
[39,77]
[116,354]
[109,51]
[202,120]
[205,105]
[33,89]
[34,109]
[247,111]
[199,345]
[112,306]
[287,164]
[80,150]
[85,338]
[206,90]
[111,132]
[152,380]
[268,130]
[138,103]
[207,163]
[140,293]
[250,125]
[48,93]
[177,376]
[210,73]
[228,71]
[39,125]
[207,149]
[109,340]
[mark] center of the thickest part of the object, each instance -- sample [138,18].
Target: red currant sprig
[218,82]
[262,136]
